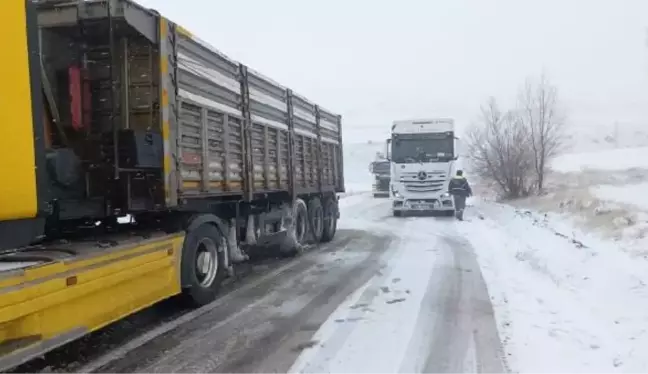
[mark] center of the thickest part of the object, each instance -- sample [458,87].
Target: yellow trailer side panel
[49,305]
[18,190]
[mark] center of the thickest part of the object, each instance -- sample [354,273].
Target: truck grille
[433,182]
[425,186]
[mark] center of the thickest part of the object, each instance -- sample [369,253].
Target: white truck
[423,155]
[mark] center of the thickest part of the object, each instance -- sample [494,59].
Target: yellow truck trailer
[138,162]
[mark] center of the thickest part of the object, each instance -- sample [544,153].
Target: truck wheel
[397,213]
[316,218]
[330,220]
[203,265]
[301,221]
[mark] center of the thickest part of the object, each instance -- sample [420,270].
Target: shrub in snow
[499,153]
[514,148]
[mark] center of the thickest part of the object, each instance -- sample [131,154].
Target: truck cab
[423,157]
[381,170]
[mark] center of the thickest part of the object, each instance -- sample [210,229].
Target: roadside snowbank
[564,301]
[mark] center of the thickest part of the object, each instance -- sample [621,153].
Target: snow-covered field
[609,160]
[602,193]
[593,137]
[565,301]
[568,277]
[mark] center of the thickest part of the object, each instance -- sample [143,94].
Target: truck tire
[330,219]
[203,265]
[301,221]
[316,218]
[397,213]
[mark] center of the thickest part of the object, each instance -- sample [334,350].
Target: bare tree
[499,150]
[540,113]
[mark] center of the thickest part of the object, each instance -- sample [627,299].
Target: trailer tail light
[80,98]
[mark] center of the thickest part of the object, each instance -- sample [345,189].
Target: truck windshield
[380,167]
[422,150]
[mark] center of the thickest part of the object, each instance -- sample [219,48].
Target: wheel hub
[204,262]
[206,266]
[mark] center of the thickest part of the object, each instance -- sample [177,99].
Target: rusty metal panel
[211,151]
[273,140]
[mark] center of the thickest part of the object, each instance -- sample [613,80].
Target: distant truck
[423,155]
[380,168]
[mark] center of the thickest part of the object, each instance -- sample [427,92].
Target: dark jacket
[459,186]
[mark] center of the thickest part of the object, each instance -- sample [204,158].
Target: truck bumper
[377,193]
[440,204]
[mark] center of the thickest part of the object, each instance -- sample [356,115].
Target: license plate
[424,206]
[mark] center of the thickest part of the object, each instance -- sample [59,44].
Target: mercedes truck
[423,156]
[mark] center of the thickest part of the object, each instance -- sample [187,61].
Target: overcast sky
[374,61]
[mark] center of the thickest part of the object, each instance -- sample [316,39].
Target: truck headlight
[397,194]
[445,195]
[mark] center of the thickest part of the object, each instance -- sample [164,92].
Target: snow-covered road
[505,290]
[426,310]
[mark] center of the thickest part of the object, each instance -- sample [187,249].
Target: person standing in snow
[460,191]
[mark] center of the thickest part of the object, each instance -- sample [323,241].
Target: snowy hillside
[595,137]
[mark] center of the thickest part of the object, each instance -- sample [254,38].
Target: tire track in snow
[465,337]
[368,332]
[445,324]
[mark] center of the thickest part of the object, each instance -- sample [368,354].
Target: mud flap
[250,231]
[235,252]
[289,226]
[291,244]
